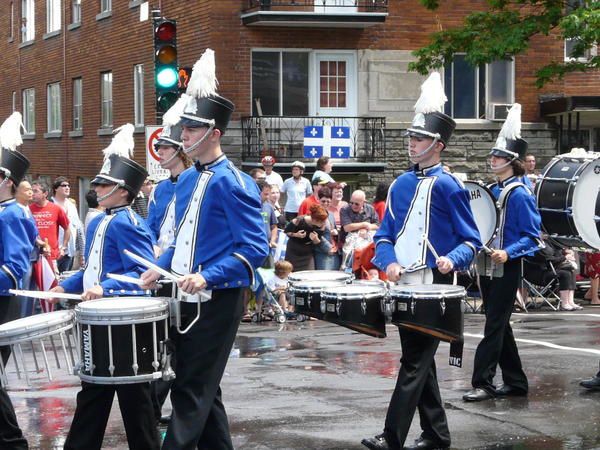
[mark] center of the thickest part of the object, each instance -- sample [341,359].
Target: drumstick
[132,280]
[45,294]
[486,249]
[150,265]
[431,249]
[160,270]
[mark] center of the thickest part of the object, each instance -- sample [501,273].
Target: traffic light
[166,73]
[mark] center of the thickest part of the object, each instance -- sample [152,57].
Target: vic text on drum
[108,235]
[17,237]
[219,242]
[424,204]
[500,267]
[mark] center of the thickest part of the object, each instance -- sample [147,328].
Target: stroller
[271,309]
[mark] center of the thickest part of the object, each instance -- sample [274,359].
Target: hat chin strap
[172,157]
[424,152]
[112,191]
[199,141]
[506,164]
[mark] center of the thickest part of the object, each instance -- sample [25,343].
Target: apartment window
[11,32]
[107,100]
[473,91]
[27,20]
[571,6]
[54,116]
[138,89]
[77,104]
[53,15]
[14,101]
[105,5]
[76,11]
[29,110]
[280,82]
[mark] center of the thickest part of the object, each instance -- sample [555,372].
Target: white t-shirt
[274,178]
[276,283]
[296,192]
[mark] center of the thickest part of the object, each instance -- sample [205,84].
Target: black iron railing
[324,6]
[283,137]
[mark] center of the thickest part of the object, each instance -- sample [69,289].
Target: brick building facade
[85,42]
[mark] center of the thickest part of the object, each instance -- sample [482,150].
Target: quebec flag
[326,140]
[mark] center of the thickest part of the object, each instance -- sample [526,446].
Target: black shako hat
[205,107]
[429,120]
[13,164]
[118,167]
[509,144]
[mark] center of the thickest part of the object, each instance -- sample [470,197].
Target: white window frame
[27,20]
[11,31]
[106,98]
[53,15]
[77,104]
[75,11]
[138,95]
[53,104]
[105,6]
[28,98]
[485,113]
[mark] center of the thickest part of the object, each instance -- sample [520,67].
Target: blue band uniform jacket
[220,232]
[161,212]
[432,203]
[17,238]
[519,231]
[108,235]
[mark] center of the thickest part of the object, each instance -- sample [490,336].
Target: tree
[505,30]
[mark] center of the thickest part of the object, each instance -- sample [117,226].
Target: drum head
[318,275]
[315,285]
[483,205]
[121,307]
[353,291]
[39,322]
[586,203]
[427,290]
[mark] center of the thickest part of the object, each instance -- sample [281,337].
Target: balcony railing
[315,13]
[283,137]
[323,6]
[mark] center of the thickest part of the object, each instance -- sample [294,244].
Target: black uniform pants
[498,346]
[11,436]
[417,387]
[199,419]
[94,403]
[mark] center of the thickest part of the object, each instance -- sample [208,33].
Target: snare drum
[433,309]
[568,201]
[306,296]
[33,330]
[485,211]
[357,307]
[122,340]
[67,303]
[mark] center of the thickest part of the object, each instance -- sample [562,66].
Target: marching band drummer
[424,203]
[220,241]
[518,235]
[161,215]
[109,234]
[17,238]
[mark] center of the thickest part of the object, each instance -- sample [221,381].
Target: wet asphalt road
[315,385]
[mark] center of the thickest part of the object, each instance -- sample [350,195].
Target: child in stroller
[271,301]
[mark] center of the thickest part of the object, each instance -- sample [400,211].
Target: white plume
[173,115]
[122,143]
[203,82]
[10,132]
[511,128]
[432,97]
[576,151]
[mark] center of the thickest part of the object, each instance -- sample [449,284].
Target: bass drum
[485,211]
[568,201]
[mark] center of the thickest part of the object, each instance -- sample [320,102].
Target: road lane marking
[545,344]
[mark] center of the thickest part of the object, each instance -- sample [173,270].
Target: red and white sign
[152,158]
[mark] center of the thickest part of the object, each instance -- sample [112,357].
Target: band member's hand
[93,293]
[58,289]
[192,283]
[61,251]
[314,237]
[148,278]
[499,256]
[444,265]
[301,234]
[394,272]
